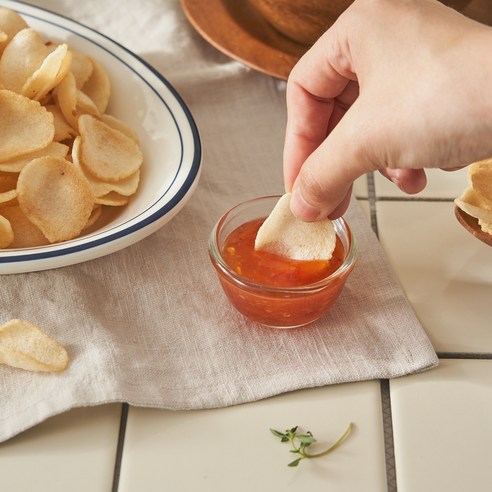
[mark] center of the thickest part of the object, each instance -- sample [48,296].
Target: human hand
[393,86]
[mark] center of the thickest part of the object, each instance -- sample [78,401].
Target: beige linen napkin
[150,325]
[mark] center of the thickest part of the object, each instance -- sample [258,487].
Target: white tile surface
[231,449]
[442,428]
[73,452]
[445,272]
[440,184]
[360,187]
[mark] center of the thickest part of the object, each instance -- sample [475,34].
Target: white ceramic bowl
[144,99]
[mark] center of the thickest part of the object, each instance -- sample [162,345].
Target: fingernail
[302,209]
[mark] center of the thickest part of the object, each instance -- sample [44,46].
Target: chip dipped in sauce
[271,269]
[270,289]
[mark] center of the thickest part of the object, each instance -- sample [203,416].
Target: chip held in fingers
[285,235]
[26,346]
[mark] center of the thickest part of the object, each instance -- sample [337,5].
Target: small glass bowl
[277,307]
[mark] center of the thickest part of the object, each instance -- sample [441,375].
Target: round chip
[54,67]
[55,197]
[107,153]
[126,186]
[26,346]
[26,234]
[112,199]
[25,125]
[66,96]
[98,86]
[10,24]
[6,233]
[63,131]
[480,176]
[284,234]
[23,55]
[81,67]
[16,165]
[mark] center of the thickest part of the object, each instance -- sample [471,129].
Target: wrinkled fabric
[150,325]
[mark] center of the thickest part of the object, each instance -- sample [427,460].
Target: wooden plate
[237,29]
[471,225]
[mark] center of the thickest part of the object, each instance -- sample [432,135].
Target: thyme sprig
[301,442]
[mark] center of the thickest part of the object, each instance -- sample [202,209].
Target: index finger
[320,77]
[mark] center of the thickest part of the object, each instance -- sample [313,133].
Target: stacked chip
[62,157]
[476,200]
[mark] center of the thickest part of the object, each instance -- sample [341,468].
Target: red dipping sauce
[270,289]
[267,268]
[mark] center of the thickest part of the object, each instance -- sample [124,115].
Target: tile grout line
[389,450]
[120,446]
[464,355]
[389,447]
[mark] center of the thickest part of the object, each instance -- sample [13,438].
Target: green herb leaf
[295,462]
[300,442]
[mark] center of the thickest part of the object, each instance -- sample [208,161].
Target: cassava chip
[22,56]
[96,213]
[284,234]
[480,177]
[54,67]
[63,131]
[54,149]
[55,197]
[25,125]
[126,186]
[26,234]
[119,125]
[26,346]
[6,233]
[105,152]
[98,86]
[81,68]
[10,24]
[112,199]
[7,196]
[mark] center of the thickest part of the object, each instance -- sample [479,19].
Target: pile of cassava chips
[477,198]
[62,157]
[285,235]
[25,346]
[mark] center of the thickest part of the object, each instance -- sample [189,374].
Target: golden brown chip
[126,186]
[486,226]
[480,176]
[63,131]
[284,234]
[16,165]
[98,86]
[86,105]
[66,96]
[7,197]
[54,67]
[10,24]
[119,125]
[6,233]
[26,234]
[473,204]
[22,56]
[55,197]
[112,199]
[25,125]
[26,346]
[81,67]
[107,153]
[96,213]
